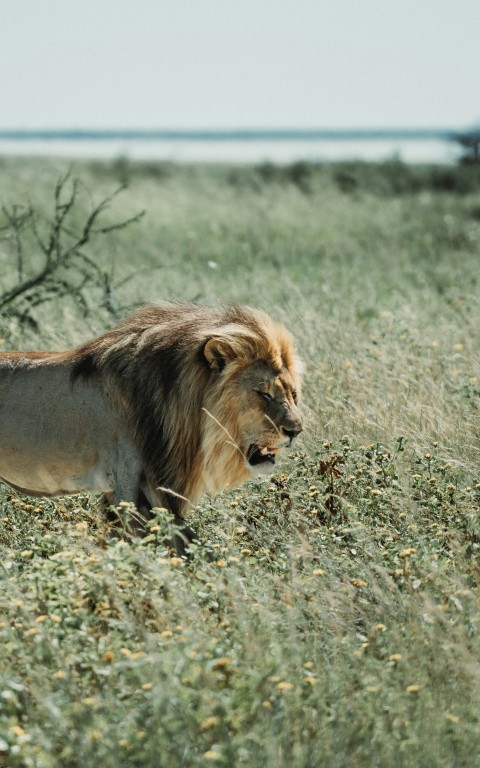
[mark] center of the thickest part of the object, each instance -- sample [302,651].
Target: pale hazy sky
[239,63]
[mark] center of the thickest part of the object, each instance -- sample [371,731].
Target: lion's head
[252,406]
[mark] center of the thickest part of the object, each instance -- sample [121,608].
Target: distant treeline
[383,179]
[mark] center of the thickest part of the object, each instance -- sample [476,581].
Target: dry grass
[338,621]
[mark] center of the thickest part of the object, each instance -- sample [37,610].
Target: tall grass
[338,621]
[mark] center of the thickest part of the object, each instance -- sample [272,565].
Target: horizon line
[233,134]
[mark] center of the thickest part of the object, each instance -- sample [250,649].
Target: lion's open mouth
[257,455]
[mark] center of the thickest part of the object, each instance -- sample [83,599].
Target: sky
[239,63]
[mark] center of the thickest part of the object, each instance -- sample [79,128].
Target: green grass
[338,622]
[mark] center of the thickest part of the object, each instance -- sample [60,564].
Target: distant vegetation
[470,141]
[391,178]
[338,622]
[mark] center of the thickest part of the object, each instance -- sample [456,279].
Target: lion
[178,400]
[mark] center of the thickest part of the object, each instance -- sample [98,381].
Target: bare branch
[17,220]
[65,267]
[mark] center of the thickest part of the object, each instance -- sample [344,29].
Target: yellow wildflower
[452,718]
[395,657]
[224,661]
[407,552]
[209,722]
[284,685]
[359,583]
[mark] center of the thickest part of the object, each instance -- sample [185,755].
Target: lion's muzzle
[262,458]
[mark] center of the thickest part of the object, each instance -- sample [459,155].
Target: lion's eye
[266,395]
[294,396]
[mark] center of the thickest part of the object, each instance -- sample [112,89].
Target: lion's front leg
[136,524]
[185,536]
[110,507]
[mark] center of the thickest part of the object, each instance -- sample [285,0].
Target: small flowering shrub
[334,603]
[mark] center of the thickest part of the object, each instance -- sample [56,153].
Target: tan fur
[157,411]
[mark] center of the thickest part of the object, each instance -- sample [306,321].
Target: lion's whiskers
[231,441]
[172,493]
[267,417]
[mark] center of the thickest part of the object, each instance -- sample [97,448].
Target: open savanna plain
[329,615]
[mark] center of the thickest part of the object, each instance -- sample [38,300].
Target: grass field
[338,623]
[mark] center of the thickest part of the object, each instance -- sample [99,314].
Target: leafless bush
[60,264]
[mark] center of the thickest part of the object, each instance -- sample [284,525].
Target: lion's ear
[229,342]
[217,353]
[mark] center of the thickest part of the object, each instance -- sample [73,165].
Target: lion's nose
[292,433]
